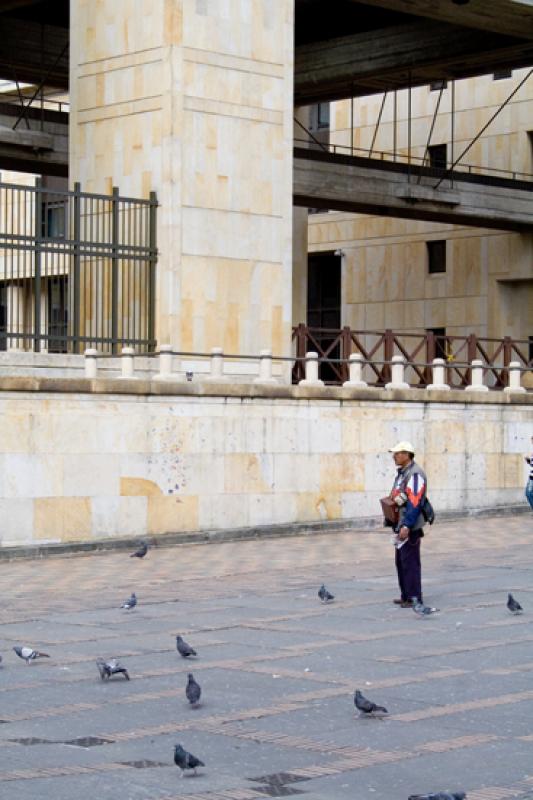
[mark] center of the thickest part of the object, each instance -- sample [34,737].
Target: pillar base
[354,384]
[402,385]
[437,387]
[510,389]
[476,388]
[306,382]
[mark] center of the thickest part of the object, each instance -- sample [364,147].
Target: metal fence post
[76,276]
[388,352]
[114,269]
[152,243]
[37,283]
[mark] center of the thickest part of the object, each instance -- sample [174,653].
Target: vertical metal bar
[453,129]
[351,123]
[114,269]
[37,276]
[394,126]
[409,131]
[76,270]
[152,243]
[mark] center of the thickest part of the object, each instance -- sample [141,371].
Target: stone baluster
[514,378]
[356,371]
[127,362]
[91,363]
[165,363]
[397,374]
[438,371]
[311,371]
[265,368]
[476,379]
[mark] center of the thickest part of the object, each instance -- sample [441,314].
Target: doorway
[324,305]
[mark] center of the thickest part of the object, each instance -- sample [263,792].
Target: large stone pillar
[193,99]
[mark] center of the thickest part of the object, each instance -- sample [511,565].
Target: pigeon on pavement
[421,610]
[366,706]
[439,796]
[29,654]
[130,603]
[183,648]
[141,551]
[111,667]
[324,595]
[193,691]
[513,605]
[185,760]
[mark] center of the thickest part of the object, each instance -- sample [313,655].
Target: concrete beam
[510,17]
[366,186]
[391,58]
[38,144]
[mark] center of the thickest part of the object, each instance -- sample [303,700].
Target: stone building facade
[485,283]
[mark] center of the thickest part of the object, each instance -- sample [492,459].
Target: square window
[502,74]
[437,156]
[436,256]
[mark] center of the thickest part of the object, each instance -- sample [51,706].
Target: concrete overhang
[367,186]
[365,48]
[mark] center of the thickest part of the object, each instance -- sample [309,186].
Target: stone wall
[82,459]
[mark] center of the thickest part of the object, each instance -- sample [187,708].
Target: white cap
[402,447]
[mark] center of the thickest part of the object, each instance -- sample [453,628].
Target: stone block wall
[82,460]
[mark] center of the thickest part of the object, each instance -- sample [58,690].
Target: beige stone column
[193,99]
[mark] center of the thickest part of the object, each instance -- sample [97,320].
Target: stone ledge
[356,525]
[143,387]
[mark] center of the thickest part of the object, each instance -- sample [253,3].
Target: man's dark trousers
[409,568]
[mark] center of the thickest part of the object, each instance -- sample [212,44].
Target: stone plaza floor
[278,670]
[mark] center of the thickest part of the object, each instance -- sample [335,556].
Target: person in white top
[529,484]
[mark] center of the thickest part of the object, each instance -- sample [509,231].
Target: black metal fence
[77,269]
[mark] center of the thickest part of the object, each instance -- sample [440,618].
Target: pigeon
[141,551]
[28,654]
[366,706]
[421,610]
[185,760]
[513,605]
[324,595]
[193,690]
[439,796]
[111,667]
[130,603]
[183,648]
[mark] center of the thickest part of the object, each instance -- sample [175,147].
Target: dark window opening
[324,305]
[502,74]
[436,86]
[436,256]
[57,314]
[437,156]
[441,346]
[54,220]
[530,354]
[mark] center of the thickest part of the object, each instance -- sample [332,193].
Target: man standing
[408,491]
[529,484]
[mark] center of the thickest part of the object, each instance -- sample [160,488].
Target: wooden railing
[335,346]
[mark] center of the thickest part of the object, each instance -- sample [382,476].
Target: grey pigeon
[130,603]
[421,610]
[185,760]
[366,706]
[324,595]
[29,654]
[141,551]
[513,605]
[439,796]
[111,667]
[193,690]
[183,648]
